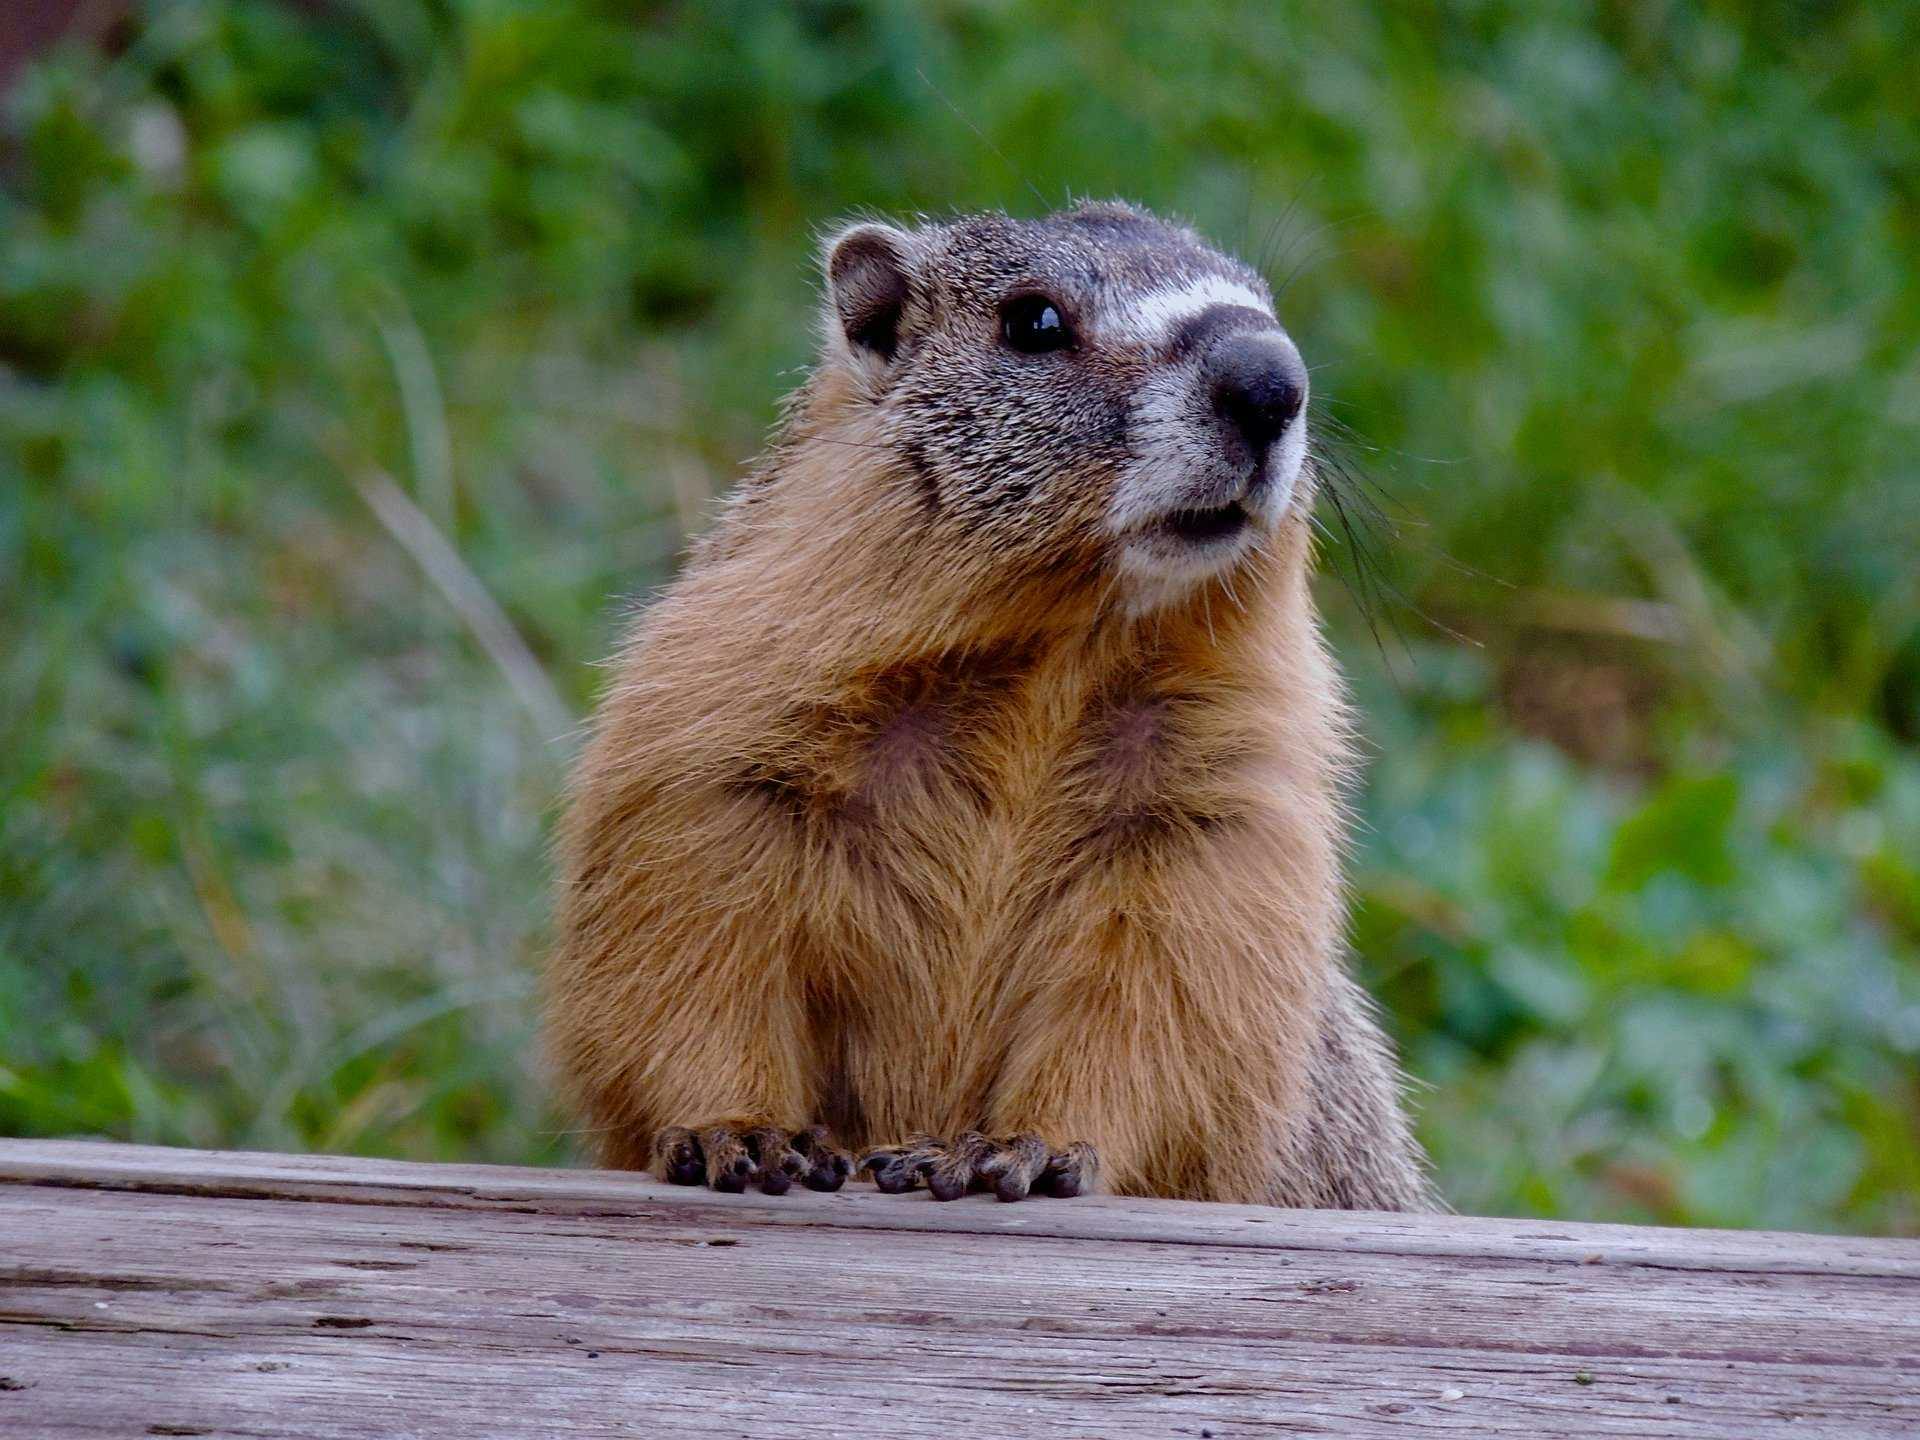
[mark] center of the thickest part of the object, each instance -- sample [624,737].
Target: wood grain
[167,1292]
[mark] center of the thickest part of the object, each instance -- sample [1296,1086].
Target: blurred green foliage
[1618,301]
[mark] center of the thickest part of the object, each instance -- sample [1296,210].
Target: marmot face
[1099,391]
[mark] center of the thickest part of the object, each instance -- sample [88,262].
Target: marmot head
[1098,388]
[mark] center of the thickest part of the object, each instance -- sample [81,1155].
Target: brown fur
[875,833]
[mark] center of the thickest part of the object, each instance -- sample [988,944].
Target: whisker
[1342,491]
[1312,256]
[1278,228]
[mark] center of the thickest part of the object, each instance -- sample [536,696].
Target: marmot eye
[1033,325]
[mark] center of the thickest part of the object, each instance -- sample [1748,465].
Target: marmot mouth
[1197,527]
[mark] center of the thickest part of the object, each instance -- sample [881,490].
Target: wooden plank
[149,1291]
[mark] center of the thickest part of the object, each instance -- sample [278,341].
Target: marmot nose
[1258,384]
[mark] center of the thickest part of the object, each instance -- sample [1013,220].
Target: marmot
[973,801]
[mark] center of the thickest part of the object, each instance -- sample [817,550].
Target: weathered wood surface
[167,1292]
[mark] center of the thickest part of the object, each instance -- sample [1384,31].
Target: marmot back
[972,803]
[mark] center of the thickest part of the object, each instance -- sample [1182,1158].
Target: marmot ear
[869,277]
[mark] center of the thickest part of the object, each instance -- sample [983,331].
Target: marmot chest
[957,803]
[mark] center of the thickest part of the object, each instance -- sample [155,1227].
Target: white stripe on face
[1150,319]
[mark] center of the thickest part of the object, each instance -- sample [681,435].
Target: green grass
[1618,301]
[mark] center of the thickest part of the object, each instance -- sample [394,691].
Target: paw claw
[944,1186]
[777,1162]
[731,1155]
[1013,1168]
[829,1171]
[1070,1172]
[677,1157]
[893,1172]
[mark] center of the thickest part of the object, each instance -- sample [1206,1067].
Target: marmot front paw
[1013,1168]
[733,1154]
